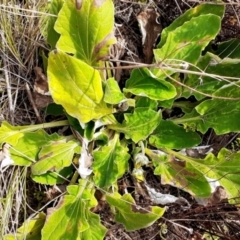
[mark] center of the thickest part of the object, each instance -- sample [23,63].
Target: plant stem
[74,178]
[182,121]
[30,128]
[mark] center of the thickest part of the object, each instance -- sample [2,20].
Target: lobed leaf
[139,125]
[96,230]
[71,217]
[54,157]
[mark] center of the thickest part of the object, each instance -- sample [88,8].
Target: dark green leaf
[170,135]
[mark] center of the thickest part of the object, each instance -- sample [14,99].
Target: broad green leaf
[146,102]
[28,147]
[181,174]
[51,35]
[113,94]
[199,10]
[53,178]
[143,83]
[96,230]
[30,230]
[110,163]
[54,157]
[224,168]
[170,135]
[86,28]
[229,49]
[70,217]
[77,87]
[132,216]
[139,125]
[187,42]
[210,64]
[221,115]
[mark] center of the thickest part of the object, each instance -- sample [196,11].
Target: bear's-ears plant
[112,126]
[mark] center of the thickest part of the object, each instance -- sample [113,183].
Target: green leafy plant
[106,137]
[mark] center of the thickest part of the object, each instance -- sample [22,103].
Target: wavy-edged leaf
[77,87]
[54,157]
[185,45]
[110,163]
[139,125]
[86,29]
[25,152]
[170,135]
[200,10]
[96,230]
[143,83]
[132,216]
[72,215]
[180,173]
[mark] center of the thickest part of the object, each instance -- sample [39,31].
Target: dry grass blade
[20,39]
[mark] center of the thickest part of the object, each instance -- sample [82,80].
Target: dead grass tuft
[20,39]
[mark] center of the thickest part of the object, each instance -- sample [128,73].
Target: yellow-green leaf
[77,87]
[86,28]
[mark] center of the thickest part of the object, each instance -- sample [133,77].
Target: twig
[162,66]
